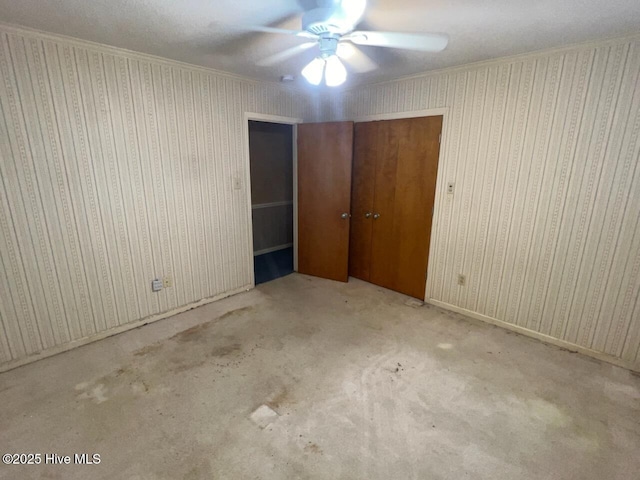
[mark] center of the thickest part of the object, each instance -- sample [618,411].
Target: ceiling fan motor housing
[320,21]
[328,44]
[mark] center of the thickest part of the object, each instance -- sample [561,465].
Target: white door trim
[261,117]
[431,112]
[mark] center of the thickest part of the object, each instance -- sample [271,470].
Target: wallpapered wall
[544,222]
[117,168]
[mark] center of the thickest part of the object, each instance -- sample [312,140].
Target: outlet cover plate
[156,285]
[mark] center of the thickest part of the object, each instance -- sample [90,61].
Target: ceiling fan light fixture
[335,73]
[314,71]
[331,26]
[345,50]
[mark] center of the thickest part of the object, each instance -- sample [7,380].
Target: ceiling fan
[331,26]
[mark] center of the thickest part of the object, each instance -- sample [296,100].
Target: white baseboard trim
[115,331]
[272,249]
[538,336]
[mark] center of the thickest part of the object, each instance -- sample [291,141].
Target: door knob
[345,215]
[376,216]
[367,215]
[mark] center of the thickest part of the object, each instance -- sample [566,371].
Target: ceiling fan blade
[285,54]
[263,29]
[423,42]
[356,58]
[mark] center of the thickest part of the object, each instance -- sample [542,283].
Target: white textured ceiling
[181,29]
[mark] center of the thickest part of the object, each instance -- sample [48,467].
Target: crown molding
[322,93]
[131,54]
[609,41]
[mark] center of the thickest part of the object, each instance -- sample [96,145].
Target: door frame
[262,117]
[440,187]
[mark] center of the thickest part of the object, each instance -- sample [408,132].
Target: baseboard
[447,306]
[538,336]
[115,331]
[272,249]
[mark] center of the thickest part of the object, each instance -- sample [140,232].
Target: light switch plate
[450,188]
[156,285]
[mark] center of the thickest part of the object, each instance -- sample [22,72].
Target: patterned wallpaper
[117,168]
[545,219]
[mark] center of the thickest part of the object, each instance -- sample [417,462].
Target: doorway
[271,159]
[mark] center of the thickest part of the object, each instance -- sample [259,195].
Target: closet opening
[271,159]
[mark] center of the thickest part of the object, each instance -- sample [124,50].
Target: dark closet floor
[270,266]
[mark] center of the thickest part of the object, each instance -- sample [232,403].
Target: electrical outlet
[237,183]
[462,280]
[167,282]
[156,285]
[450,188]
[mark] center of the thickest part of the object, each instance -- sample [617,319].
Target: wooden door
[417,169]
[406,163]
[325,153]
[384,242]
[366,143]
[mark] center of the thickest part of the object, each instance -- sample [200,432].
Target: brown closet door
[383,240]
[325,153]
[365,147]
[405,181]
